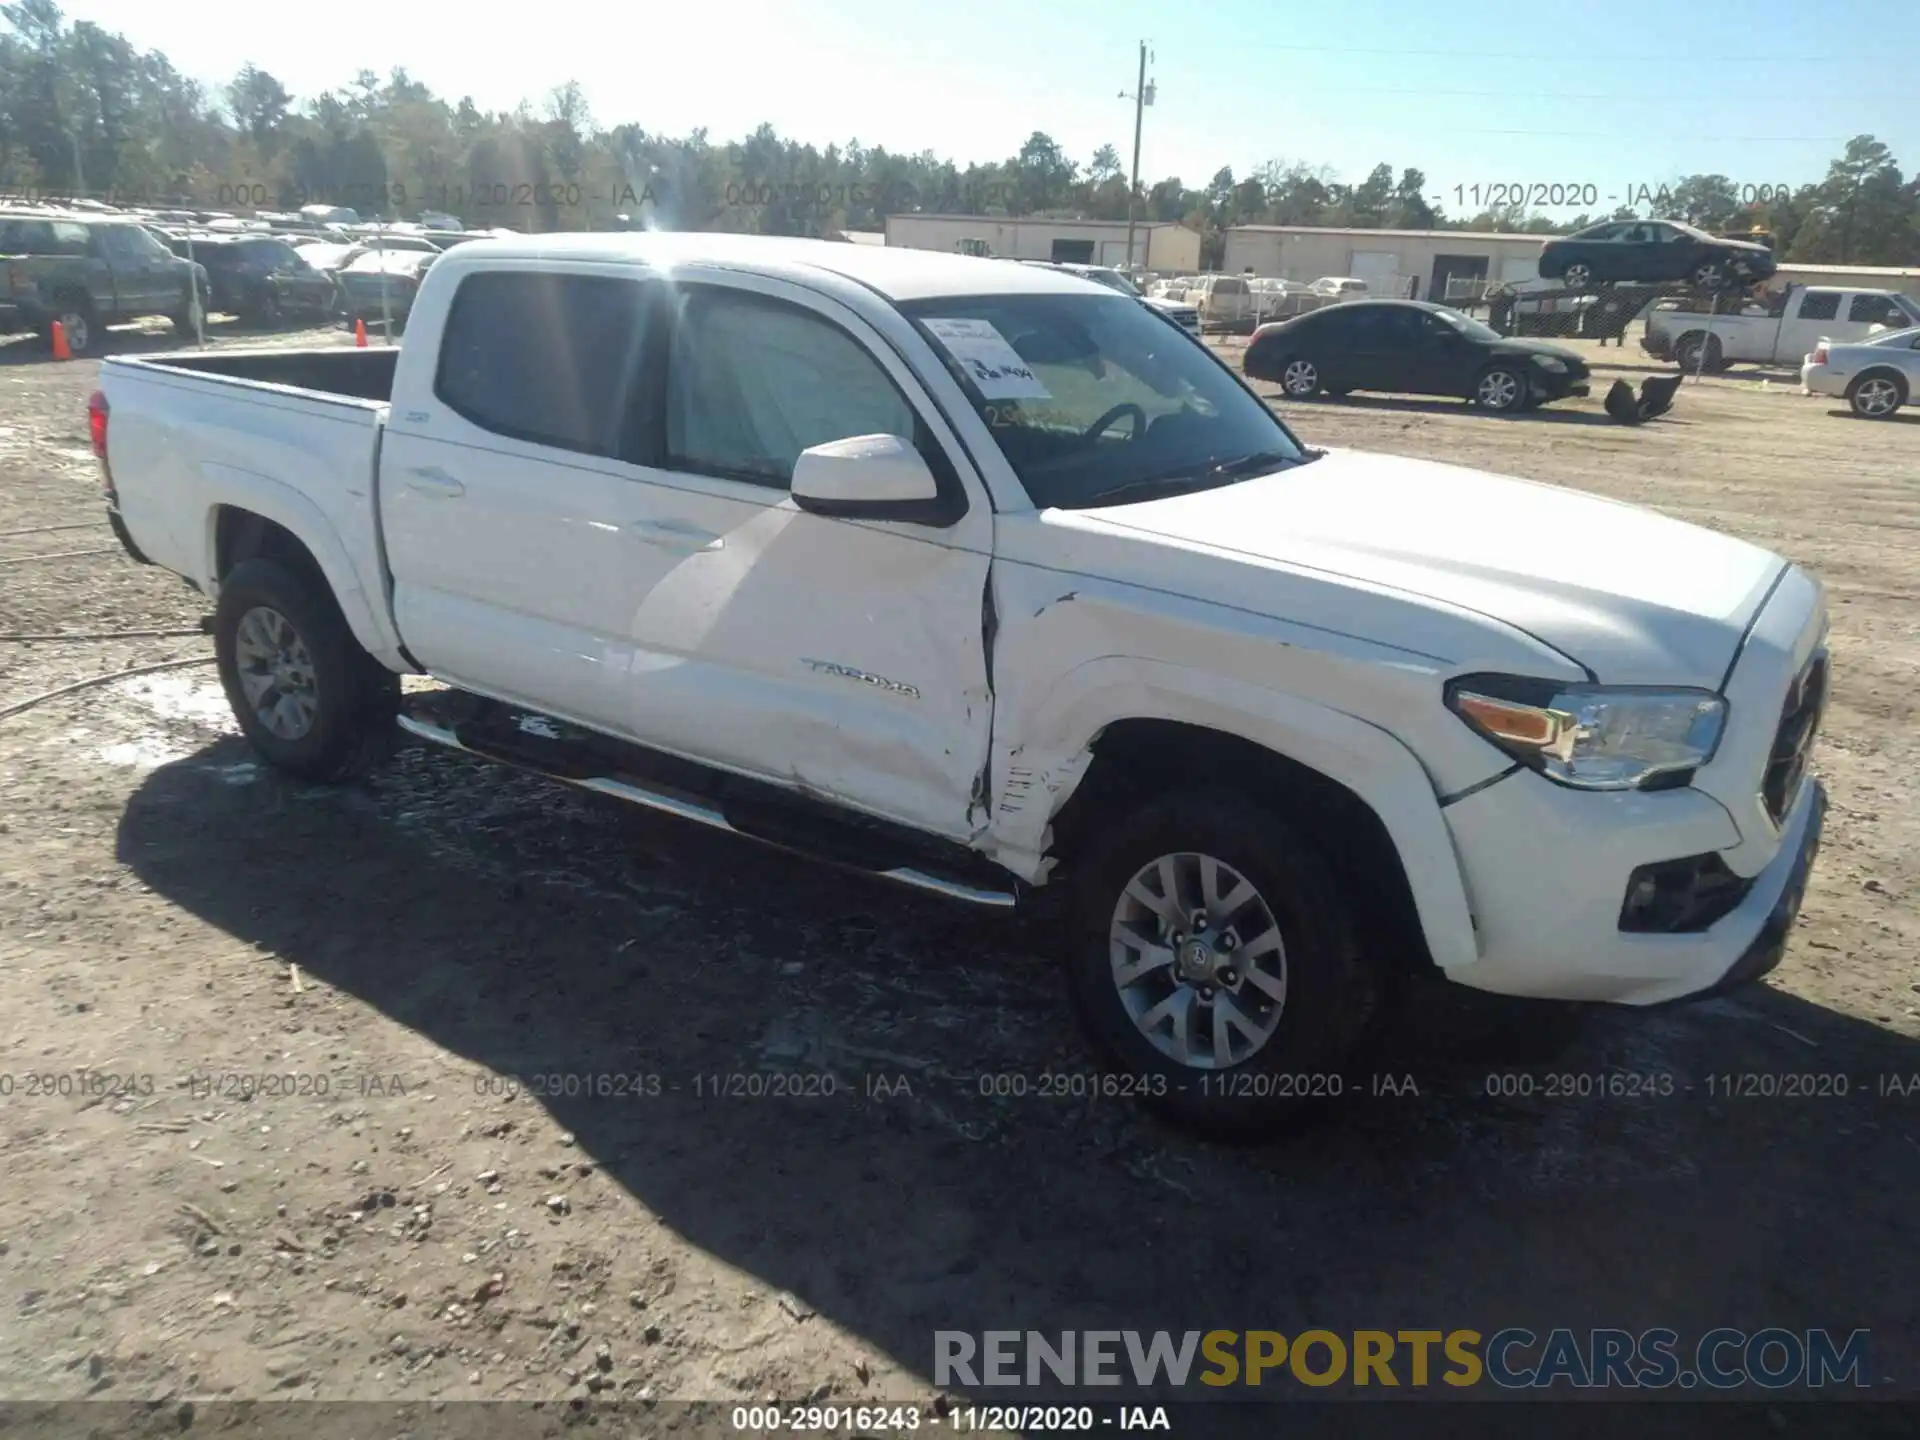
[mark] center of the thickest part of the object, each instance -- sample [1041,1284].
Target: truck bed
[347,373]
[292,436]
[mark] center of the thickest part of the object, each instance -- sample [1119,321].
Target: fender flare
[230,486]
[1369,761]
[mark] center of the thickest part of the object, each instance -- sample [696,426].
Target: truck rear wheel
[1213,961]
[307,697]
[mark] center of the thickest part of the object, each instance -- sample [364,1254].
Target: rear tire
[1877,394]
[1688,351]
[1295,993]
[307,697]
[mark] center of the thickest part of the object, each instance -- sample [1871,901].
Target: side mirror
[871,477]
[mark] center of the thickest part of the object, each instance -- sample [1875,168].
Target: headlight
[1593,737]
[1550,365]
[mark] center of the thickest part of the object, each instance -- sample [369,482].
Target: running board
[685,809]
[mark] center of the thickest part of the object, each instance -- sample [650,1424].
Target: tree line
[84,112]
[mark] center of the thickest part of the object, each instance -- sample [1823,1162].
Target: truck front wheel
[1213,961]
[307,697]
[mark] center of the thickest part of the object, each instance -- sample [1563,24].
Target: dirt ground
[503,1009]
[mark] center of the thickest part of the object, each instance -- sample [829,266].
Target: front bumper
[1764,953]
[1546,868]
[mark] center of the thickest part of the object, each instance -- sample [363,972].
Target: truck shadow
[530,930]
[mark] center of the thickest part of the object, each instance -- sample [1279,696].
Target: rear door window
[550,357]
[1820,305]
[1877,310]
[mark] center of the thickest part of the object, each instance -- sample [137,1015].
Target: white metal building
[1392,262]
[1165,246]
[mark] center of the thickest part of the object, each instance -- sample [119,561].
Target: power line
[1798,60]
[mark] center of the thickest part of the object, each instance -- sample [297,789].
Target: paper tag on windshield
[993,365]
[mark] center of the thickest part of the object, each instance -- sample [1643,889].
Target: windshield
[1467,325]
[1088,396]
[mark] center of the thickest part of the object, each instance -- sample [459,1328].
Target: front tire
[1213,960]
[1501,389]
[1877,394]
[307,697]
[1300,378]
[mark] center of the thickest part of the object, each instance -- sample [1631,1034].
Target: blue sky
[1611,95]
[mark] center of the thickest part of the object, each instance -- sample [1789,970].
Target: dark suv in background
[88,273]
[260,278]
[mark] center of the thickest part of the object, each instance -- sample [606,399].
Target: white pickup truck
[1779,331]
[983,578]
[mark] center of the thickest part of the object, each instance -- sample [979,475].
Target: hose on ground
[103,634]
[107,679]
[58,555]
[48,529]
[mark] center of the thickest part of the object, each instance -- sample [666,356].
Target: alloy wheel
[276,672]
[1199,961]
[1876,397]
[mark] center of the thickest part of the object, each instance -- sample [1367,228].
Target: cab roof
[895,272]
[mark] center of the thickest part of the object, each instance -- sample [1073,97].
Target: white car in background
[1340,287]
[1875,377]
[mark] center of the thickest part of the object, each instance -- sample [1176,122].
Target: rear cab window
[552,358]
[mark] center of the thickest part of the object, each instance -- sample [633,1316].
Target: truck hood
[1633,596]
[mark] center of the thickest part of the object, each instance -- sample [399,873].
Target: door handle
[432,480]
[675,535]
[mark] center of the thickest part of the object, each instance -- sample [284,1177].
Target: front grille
[1793,742]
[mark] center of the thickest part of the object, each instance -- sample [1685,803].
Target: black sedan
[1409,347]
[1657,252]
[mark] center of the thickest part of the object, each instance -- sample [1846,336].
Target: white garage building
[1392,262]
[1165,246]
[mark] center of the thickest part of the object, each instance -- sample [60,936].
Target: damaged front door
[844,657]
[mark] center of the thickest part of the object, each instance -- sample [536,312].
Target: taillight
[97,432]
[97,422]
[1820,353]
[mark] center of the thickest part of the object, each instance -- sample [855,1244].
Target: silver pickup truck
[1779,331]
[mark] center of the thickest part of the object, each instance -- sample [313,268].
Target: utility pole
[1142,97]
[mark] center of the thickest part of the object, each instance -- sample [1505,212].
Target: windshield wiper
[1260,460]
[1160,486]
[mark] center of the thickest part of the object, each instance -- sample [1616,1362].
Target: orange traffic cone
[360,332]
[61,350]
